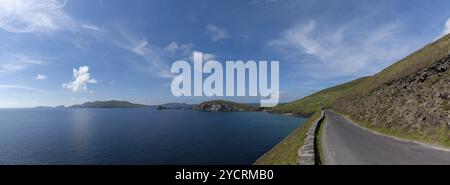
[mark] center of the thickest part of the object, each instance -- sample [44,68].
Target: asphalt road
[345,143]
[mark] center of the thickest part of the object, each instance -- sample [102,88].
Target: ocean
[138,136]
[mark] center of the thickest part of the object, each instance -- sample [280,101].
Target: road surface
[345,143]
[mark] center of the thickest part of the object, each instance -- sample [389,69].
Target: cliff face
[415,104]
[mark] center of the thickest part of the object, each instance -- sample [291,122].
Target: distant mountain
[224,106]
[108,104]
[175,106]
[43,107]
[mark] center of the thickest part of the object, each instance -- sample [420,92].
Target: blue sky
[55,52]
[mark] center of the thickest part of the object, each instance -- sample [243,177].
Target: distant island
[225,106]
[108,104]
[175,106]
[209,106]
[212,106]
[43,107]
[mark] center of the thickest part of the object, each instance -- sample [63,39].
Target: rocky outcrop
[415,104]
[224,106]
[175,106]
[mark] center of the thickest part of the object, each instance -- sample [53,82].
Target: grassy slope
[312,103]
[409,65]
[286,152]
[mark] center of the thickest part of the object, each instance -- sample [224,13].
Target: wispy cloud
[18,87]
[41,77]
[13,62]
[156,59]
[39,16]
[179,49]
[216,33]
[24,16]
[92,27]
[446,27]
[153,56]
[81,78]
[341,51]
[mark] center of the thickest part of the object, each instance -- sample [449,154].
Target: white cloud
[92,27]
[156,59]
[24,16]
[139,47]
[13,62]
[347,50]
[446,28]
[41,77]
[216,33]
[175,48]
[81,78]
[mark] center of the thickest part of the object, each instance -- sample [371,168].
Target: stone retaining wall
[307,153]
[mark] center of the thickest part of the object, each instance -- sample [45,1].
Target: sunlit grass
[316,101]
[286,152]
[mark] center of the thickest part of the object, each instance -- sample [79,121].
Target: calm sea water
[138,136]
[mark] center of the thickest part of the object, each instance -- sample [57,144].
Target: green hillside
[409,65]
[409,99]
[420,59]
[312,103]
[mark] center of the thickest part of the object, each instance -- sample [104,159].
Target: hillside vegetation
[312,103]
[409,99]
[415,106]
[420,59]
